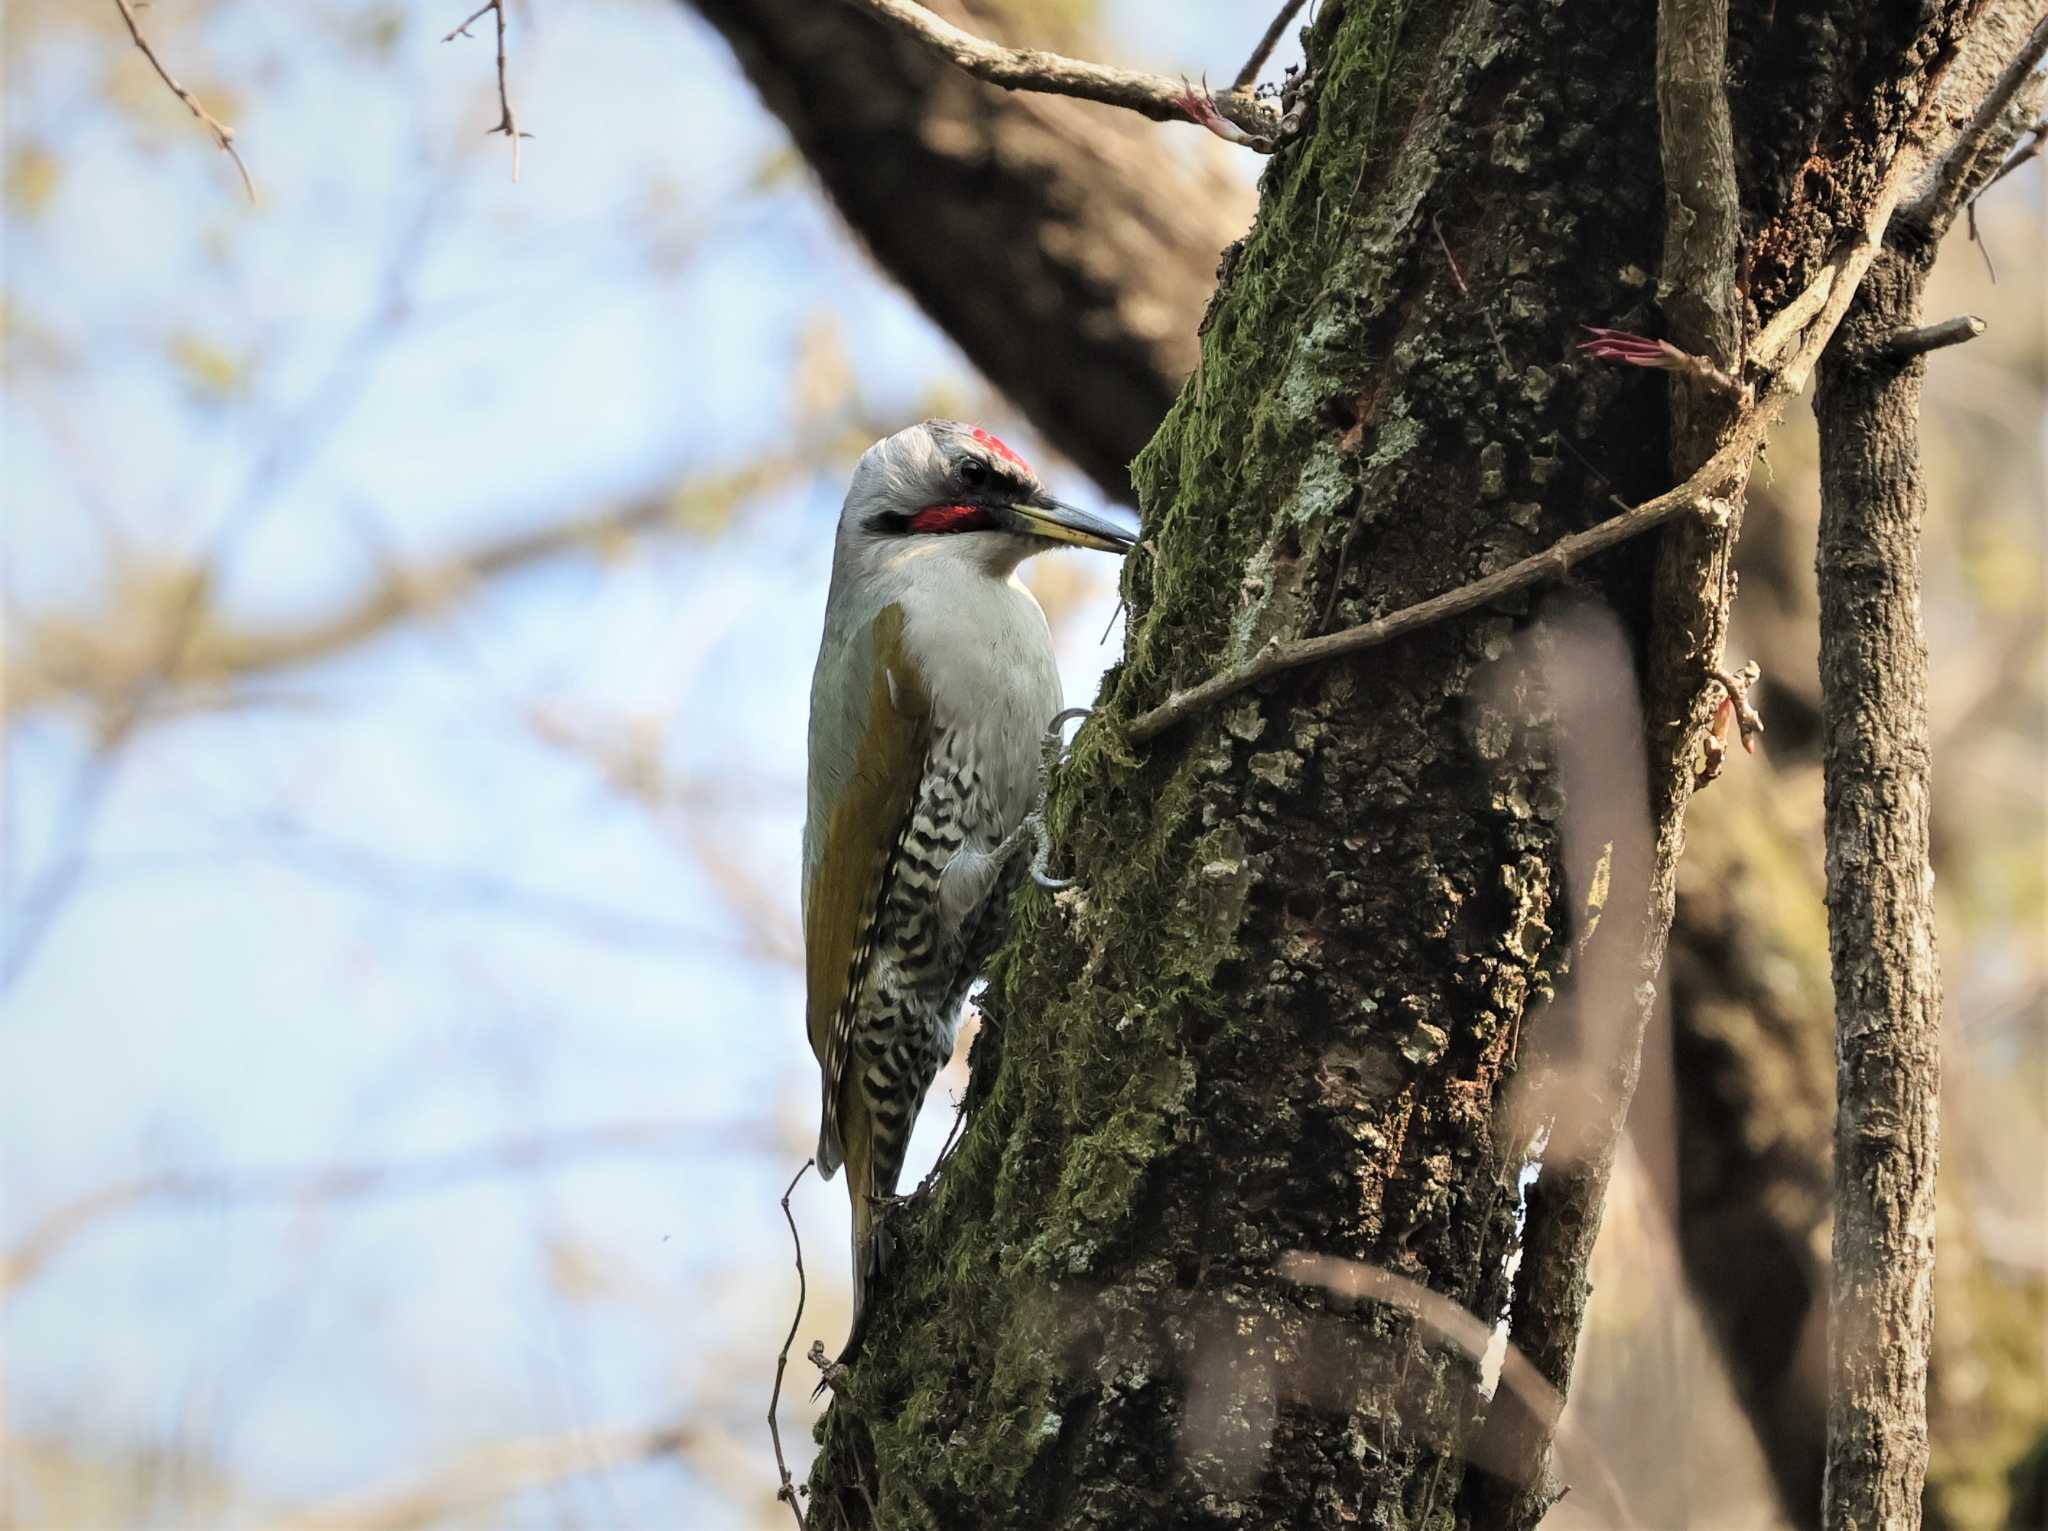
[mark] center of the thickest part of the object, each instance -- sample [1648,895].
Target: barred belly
[922,964]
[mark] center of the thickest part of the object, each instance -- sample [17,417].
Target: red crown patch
[997,445]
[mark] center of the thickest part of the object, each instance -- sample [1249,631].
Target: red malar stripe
[951,518]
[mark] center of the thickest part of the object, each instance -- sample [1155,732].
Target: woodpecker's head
[945,489]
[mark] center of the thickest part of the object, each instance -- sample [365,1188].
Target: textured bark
[1063,249]
[1880,908]
[1281,1008]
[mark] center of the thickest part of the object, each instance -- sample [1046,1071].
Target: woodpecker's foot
[829,1372]
[1055,755]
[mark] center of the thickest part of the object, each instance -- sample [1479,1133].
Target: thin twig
[508,123]
[1552,563]
[1919,341]
[1156,96]
[1248,76]
[786,1490]
[222,135]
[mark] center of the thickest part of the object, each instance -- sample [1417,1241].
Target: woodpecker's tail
[872,1243]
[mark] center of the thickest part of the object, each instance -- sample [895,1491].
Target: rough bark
[1281,1008]
[1880,907]
[1057,243]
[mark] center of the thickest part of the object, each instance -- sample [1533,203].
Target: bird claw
[1055,754]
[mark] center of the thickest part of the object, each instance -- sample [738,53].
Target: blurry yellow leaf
[32,177]
[207,369]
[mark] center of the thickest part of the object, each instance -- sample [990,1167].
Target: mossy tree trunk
[1281,1008]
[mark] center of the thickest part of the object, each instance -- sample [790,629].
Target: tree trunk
[1873,658]
[1280,1009]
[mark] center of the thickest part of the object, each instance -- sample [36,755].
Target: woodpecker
[934,685]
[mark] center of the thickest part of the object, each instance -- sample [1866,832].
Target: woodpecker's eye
[974,473]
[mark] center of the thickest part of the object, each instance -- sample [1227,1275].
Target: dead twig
[508,123]
[1921,339]
[2036,137]
[1157,96]
[786,1489]
[1248,76]
[222,134]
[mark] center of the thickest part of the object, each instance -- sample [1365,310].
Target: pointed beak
[1043,516]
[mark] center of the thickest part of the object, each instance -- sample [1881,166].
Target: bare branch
[222,134]
[786,1492]
[508,123]
[1156,96]
[492,1474]
[1539,568]
[531,1154]
[1248,76]
[1961,172]
[1918,341]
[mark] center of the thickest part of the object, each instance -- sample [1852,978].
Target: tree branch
[1076,294]
[1157,96]
[785,1491]
[1962,171]
[222,135]
[1248,77]
[1695,494]
[508,124]
[1918,340]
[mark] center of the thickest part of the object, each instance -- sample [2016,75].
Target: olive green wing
[871,725]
